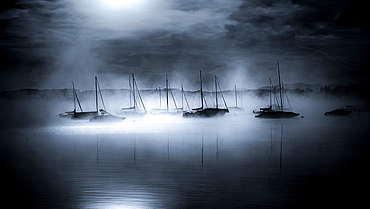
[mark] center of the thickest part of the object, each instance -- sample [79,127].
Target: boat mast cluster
[137,107]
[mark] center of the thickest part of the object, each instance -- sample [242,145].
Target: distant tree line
[361,91]
[355,90]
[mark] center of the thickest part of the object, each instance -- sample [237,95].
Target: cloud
[159,15]
[264,22]
[56,42]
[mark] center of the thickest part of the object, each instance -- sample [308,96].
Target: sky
[49,44]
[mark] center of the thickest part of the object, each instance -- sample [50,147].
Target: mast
[216,91]
[133,91]
[270,92]
[201,88]
[130,91]
[160,97]
[96,94]
[280,90]
[223,98]
[282,96]
[236,96]
[74,97]
[101,97]
[173,98]
[167,93]
[135,85]
[182,97]
[241,97]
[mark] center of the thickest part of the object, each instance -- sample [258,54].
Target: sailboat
[167,109]
[338,112]
[183,97]
[278,112]
[236,108]
[89,114]
[83,115]
[69,114]
[133,109]
[104,116]
[271,106]
[202,112]
[74,114]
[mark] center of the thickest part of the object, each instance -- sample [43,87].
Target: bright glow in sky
[122,4]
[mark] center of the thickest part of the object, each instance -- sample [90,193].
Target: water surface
[171,162]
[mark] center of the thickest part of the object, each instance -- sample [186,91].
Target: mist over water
[161,161]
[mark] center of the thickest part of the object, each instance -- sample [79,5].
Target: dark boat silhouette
[98,115]
[202,112]
[206,113]
[338,112]
[133,109]
[277,114]
[74,114]
[280,112]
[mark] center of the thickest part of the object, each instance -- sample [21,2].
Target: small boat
[338,112]
[74,114]
[280,112]
[167,110]
[101,115]
[207,112]
[236,108]
[106,117]
[271,106]
[277,114]
[133,109]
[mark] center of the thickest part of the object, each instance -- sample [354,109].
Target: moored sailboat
[103,115]
[203,112]
[75,114]
[236,108]
[167,110]
[279,112]
[338,112]
[134,109]
[96,115]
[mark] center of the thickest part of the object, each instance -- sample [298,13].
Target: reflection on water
[172,162]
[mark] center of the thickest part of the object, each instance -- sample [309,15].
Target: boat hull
[84,115]
[206,113]
[338,112]
[277,114]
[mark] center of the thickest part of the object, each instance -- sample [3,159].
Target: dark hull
[206,113]
[106,118]
[277,114]
[338,112]
[84,115]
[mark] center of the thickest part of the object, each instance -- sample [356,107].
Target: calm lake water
[171,162]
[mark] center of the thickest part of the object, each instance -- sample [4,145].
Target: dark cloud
[48,44]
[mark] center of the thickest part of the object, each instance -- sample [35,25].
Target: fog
[166,161]
[32,108]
